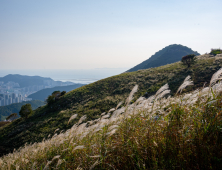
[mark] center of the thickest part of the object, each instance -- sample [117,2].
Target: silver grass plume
[163,88]
[95,156]
[59,162]
[72,117]
[56,130]
[78,147]
[186,82]
[55,157]
[161,95]
[216,76]
[47,165]
[120,103]
[82,119]
[105,116]
[103,113]
[111,110]
[111,133]
[134,90]
[112,127]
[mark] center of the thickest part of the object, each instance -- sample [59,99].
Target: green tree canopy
[188,59]
[12,116]
[55,96]
[25,110]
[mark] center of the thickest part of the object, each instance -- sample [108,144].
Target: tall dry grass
[159,132]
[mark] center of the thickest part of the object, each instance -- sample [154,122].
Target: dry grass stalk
[216,76]
[186,82]
[134,90]
[72,117]
[82,119]
[148,127]
[119,104]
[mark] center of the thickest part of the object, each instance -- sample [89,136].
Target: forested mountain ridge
[167,55]
[43,94]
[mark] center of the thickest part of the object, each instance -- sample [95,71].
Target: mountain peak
[169,54]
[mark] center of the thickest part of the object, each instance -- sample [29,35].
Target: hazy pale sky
[85,34]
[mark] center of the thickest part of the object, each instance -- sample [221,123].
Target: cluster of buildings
[11,92]
[7,99]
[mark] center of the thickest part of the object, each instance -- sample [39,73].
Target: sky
[96,34]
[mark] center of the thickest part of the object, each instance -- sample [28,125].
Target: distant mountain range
[16,107]
[26,81]
[44,93]
[167,55]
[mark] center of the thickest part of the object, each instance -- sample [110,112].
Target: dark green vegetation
[167,55]
[98,97]
[54,97]
[12,116]
[215,51]
[188,59]
[43,94]
[25,111]
[15,108]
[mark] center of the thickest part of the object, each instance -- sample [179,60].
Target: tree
[54,97]
[188,59]
[25,110]
[63,93]
[50,100]
[12,116]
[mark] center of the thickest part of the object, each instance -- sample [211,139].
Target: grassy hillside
[182,131]
[99,97]
[43,94]
[16,107]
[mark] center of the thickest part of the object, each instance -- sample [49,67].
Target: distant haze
[89,34]
[77,76]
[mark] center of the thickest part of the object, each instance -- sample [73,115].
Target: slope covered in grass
[177,132]
[99,97]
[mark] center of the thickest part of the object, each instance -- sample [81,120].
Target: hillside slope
[99,97]
[44,93]
[16,107]
[167,55]
[182,131]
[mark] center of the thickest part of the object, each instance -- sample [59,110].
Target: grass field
[93,99]
[182,131]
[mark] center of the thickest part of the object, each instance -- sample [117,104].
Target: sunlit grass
[179,132]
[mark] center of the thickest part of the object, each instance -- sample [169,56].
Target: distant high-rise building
[9,101]
[13,95]
[6,96]
[17,100]
[3,102]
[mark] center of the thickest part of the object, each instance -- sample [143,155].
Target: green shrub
[188,59]
[25,111]
[215,51]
